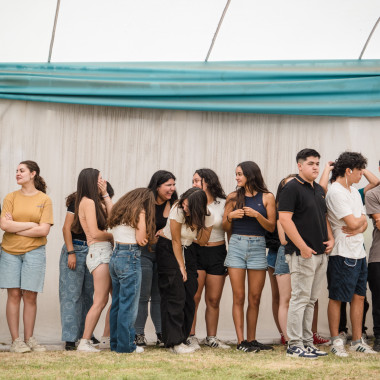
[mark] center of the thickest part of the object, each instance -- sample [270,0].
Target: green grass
[205,364]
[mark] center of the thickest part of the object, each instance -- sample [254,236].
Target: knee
[29,298]
[239,298]
[101,303]
[14,296]
[254,300]
[213,302]
[197,298]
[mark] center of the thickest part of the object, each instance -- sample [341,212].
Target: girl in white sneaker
[26,218]
[91,216]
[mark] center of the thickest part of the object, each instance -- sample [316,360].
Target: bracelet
[105,196]
[70,252]
[228,220]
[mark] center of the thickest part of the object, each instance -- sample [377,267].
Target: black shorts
[211,259]
[346,277]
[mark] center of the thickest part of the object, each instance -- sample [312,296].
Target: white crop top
[124,234]
[217,210]
[187,235]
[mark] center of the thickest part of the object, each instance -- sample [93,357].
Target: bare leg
[333,312]
[106,331]
[237,278]
[13,311]
[275,297]
[214,289]
[30,312]
[314,327]
[256,281]
[285,291]
[102,285]
[198,296]
[356,315]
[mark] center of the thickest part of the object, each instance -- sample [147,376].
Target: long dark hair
[213,183]
[128,208]
[255,182]
[88,187]
[39,182]
[197,200]
[281,186]
[159,178]
[71,198]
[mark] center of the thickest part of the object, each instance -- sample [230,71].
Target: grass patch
[157,364]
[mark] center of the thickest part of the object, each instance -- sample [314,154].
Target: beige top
[87,218]
[37,208]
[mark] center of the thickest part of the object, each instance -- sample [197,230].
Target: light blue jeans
[125,270]
[149,292]
[76,290]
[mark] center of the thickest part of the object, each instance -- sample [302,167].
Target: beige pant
[306,276]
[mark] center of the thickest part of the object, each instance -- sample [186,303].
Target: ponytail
[39,182]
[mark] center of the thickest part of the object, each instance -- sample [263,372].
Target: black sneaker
[247,347]
[376,344]
[160,342]
[261,346]
[140,340]
[70,346]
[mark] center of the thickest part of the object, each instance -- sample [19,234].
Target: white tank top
[124,234]
[217,210]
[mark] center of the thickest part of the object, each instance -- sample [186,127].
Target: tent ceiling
[182,30]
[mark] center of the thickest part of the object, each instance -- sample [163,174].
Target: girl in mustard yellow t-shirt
[26,218]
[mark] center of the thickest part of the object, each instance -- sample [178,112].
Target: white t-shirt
[216,209]
[124,234]
[187,234]
[341,203]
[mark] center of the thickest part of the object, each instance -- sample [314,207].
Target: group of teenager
[153,247]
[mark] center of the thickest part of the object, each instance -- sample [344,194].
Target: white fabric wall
[128,145]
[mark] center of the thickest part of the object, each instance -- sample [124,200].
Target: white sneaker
[192,342]
[19,346]
[34,345]
[343,335]
[362,347]
[138,350]
[105,343]
[214,342]
[86,346]
[182,349]
[337,348]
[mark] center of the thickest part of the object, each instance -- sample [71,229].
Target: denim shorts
[98,253]
[346,277]
[281,266]
[272,255]
[26,271]
[247,252]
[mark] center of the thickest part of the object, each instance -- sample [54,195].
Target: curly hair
[347,160]
[213,183]
[128,208]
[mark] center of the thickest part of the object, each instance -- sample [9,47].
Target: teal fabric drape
[331,88]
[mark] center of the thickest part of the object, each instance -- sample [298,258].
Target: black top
[160,219]
[74,236]
[272,240]
[307,203]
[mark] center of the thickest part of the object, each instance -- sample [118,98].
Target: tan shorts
[98,253]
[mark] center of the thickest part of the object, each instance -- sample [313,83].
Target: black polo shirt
[307,203]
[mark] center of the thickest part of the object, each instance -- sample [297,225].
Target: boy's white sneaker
[34,345]
[192,342]
[182,349]
[138,350]
[337,348]
[362,347]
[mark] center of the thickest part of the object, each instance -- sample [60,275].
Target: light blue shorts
[26,272]
[282,266]
[246,252]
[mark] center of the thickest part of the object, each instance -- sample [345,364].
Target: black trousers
[374,285]
[177,297]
